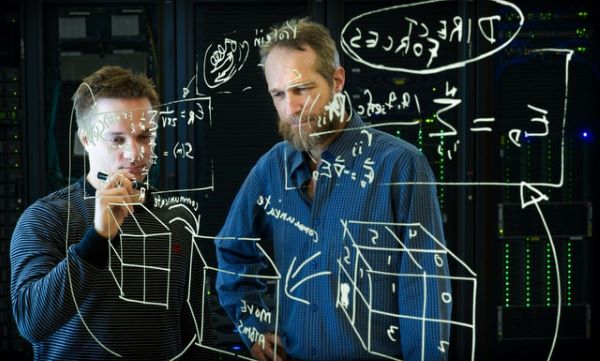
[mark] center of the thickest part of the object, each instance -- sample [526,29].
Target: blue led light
[585,134]
[236,347]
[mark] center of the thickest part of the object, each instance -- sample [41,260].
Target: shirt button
[314,308]
[316,222]
[314,264]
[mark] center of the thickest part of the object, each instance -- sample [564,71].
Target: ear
[83,139]
[339,79]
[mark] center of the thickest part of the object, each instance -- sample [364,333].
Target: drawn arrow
[290,276]
[527,195]
[534,197]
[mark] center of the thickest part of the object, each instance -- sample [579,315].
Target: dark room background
[473,110]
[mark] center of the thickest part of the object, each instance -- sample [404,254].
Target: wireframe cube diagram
[267,315]
[393,279]
[139,259]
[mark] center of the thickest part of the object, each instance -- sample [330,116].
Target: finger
[257,352]
[119,203]
[281,354]
[132,178]
[268,351]
[117,195]
[273,340]
[120,180]
[125,206]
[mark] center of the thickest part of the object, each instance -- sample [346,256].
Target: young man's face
[124,137]
[300,95]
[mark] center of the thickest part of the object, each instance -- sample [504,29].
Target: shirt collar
[88,189]
[348,138]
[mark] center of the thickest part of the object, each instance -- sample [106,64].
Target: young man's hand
[114,196]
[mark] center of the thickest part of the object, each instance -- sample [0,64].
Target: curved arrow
[539,196]
[293,275]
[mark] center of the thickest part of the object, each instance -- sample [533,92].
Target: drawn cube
[203,250]
[139,259]
[389,279]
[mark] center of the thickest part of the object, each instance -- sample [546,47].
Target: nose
[294,104]
[133,151]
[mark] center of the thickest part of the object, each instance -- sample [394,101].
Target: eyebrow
[112,134]
[291,86]
[310,82]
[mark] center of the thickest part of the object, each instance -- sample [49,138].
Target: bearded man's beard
[300,137]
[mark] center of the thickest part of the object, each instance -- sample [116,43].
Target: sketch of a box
[395,277]
[268,316]
[140,258]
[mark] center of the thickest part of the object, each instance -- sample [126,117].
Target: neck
[93,179]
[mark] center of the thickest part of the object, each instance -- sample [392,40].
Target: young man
[99,272]
[321,195]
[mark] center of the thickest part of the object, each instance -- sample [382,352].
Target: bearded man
[332,170]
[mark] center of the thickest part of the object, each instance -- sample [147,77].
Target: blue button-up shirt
[360,270]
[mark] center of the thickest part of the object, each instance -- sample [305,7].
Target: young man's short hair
[111,82]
